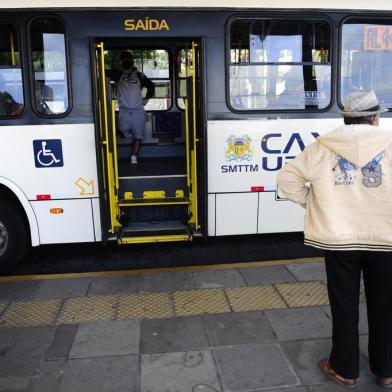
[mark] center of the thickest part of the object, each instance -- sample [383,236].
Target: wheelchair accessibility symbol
[48,153]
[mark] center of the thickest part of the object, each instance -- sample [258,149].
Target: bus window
[154,63]
[184,71]
[48,57]
[279,64]
[366,59]
[11,87]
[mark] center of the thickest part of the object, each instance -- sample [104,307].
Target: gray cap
[361,104]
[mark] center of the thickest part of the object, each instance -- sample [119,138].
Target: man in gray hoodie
[132,116]
[344,181]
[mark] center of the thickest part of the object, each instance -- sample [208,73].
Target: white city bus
[240,89]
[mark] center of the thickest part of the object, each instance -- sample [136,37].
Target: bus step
[143,232]
[167,201]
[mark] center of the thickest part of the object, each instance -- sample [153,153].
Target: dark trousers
[344,274]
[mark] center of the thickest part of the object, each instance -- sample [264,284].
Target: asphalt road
[52,259]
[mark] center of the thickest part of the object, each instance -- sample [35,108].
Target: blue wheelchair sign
[48,153]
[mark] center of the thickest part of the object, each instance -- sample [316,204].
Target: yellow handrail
[13,56]
[188,171]
[113,204]
[115,156]
[195,140]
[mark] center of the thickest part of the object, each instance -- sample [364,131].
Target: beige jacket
[344,180]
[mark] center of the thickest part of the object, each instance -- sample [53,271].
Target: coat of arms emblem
[238,148]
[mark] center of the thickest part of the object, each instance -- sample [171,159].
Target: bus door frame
[195,114]
[106,146]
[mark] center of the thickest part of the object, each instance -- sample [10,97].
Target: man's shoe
[133,159]
[332,375]
[385,382]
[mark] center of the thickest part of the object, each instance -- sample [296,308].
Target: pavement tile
[238,328]
[172,334]
[62,288]
[308,271]
[168,281]
[77,310]
[254,367]
[363,345]
[209,279]
[362,325]
[14,384]
[179,372]
[329,387]
[114,285]
[243,299]
[3,306]
[30,313]
[294,389]
[145,305]
[62,342]
[303,294]
[255,276]
[299,323]
[107,374]
[305,355]
[14,291]
[106,338]
[195,302]
[22,349]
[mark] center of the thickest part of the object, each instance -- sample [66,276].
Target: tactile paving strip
[194,302]
[145,305]
[76,310]
[303,294]
[3,305]
[243,299]
[30,313]
[161,305]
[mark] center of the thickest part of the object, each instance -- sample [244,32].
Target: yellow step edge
[148,239]
[160,203]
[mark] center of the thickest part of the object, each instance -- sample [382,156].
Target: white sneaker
[133,159]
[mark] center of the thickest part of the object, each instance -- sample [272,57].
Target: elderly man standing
[344,180]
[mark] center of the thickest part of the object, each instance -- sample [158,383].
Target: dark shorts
[132,122]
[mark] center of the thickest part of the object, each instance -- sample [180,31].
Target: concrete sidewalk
[236,329]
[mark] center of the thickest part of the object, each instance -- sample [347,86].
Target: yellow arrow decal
[87,188]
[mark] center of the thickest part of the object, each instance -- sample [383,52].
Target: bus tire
[14,239]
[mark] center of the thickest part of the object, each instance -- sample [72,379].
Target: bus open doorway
[159,198]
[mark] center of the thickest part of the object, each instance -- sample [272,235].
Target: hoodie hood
[358,144]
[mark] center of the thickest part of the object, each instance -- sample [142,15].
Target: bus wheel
[14,240]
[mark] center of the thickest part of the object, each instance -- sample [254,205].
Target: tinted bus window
[48,56]
[280,65]
[366,59]
[11,88]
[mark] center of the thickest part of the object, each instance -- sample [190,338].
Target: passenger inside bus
[166,66]
[43,93]
[132,115]
[8,105]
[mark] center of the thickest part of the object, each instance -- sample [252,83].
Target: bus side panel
[73,224]
[55,166]
[286,215]
[211,215]
[244,158]
[97,219]
[28,160]
[235,213]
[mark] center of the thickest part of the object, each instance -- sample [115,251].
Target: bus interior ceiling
[161,172]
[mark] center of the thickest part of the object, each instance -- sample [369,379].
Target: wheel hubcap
[3,238]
